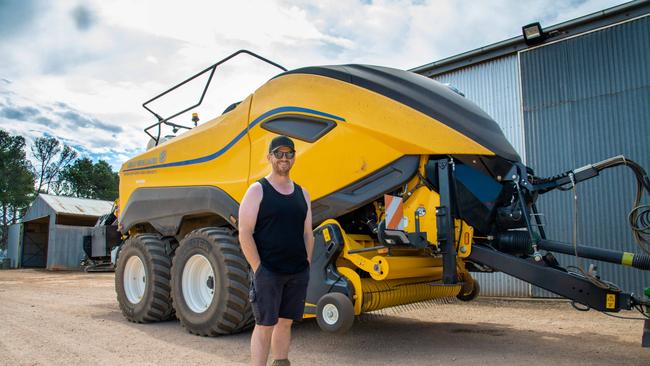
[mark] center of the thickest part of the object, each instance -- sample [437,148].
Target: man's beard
[281,171]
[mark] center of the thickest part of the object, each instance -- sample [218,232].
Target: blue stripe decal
[239,136]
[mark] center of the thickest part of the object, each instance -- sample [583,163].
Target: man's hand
[256,266]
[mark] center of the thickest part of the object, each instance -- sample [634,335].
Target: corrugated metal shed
[586,99]
[52,231]
[76,206]
[494,86]
[67,249]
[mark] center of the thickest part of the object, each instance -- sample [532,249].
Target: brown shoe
[281,363]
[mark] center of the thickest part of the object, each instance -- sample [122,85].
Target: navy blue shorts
[277,295]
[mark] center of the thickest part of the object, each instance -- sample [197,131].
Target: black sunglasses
[286,154]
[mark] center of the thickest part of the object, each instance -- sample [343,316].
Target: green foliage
[87,180]
[16,181]
[49,168]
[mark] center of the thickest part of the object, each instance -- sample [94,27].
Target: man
[276,237]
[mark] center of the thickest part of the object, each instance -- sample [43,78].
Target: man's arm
[308,233]
[248,209]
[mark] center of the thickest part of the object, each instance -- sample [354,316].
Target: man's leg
[281,339]
[260,344]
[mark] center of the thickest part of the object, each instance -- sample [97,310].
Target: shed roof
[76,206]
[616,14]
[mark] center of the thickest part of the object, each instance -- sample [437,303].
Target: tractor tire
[210,283]
[142,275]
[472,294]
[335,313]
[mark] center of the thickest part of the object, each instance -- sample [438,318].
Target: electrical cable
[639,216]
[340,277]
[624,317]
[587,275]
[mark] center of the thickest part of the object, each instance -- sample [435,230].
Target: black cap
[280,141]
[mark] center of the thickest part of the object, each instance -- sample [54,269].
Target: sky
[80,70]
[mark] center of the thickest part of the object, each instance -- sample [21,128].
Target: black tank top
[279,229]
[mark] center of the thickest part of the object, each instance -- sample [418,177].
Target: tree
[16,182]
[87,180]
[66,157]
[45,151]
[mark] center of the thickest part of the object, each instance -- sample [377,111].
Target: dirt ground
[72,318]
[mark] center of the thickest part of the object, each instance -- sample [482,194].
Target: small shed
[52,230]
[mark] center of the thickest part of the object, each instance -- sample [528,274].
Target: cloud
[61,120]
[86,66]
[46,121]
[78,120]
[17,16]
[83,17]
[19,113]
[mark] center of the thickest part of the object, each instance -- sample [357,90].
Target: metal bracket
[445,223]
[645,339]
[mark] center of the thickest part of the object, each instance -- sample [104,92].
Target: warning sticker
[326,234]
[610,301]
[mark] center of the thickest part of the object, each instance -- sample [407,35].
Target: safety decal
[394,212]
[326,234]
[610,301]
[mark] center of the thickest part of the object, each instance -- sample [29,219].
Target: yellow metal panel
[376,131]
[429,200]
[228,170]
[406,267]
[355,280]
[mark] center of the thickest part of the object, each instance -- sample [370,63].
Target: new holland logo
[149,161]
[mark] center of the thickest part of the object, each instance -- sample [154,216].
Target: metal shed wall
[13,247]
[586,99]
[66,250]
[36,210]
[494,86]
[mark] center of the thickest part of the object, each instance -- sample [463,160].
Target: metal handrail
[212,69]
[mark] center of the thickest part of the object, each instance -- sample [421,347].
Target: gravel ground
[72,318]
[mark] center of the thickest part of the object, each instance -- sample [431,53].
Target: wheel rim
[135,279]
[198,283]
[330,314]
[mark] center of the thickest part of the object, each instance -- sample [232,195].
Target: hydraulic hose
[638,217]
[519,242]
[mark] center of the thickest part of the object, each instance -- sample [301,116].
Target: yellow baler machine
[412,187]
